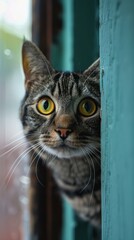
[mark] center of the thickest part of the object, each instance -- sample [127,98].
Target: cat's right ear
[93,71]
[34,63]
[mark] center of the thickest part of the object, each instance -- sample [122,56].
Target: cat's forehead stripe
[66,84]
[70,84]
[75,76]
[57,76]
[66,74]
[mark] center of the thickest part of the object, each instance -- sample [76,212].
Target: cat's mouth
[64,149]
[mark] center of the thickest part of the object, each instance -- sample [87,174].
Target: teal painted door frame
[117,89]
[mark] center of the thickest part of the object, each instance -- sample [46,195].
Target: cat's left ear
[93,71]
[34,63]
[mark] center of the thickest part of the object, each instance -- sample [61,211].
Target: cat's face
[61,110]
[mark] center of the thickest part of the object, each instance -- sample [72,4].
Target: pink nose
[63,132]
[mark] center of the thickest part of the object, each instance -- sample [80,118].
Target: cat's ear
[93,71]
[34,62]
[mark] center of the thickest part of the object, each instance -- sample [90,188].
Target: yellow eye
[45,106]
[87,107]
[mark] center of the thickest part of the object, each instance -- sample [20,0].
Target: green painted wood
[86,36]
[62,51]
[117,88]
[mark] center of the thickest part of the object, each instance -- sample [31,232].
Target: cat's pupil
[87,106]
[45,104]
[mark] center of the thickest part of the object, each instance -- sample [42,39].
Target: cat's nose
[63,132]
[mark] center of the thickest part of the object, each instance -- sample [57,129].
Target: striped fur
[75,162]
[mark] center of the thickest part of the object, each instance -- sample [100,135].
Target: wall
[117,88]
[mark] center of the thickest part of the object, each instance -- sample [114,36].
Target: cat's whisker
[11,150]
[93,179]
[50,162]
[18,145]
[96,149]
[88,158]
[96,161]
[93,152]
[96,158]
[93,167]
[16,163]
[33,159]
[16,135]
[37,158]
[89,180]
[36,170]
[14,141]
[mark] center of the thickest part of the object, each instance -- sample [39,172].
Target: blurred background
[68,34]
[15,23]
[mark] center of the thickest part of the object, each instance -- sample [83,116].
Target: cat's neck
[72,171]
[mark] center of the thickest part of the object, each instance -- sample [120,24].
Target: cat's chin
[63,152]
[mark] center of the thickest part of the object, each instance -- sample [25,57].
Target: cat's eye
[45,106]
[87,107]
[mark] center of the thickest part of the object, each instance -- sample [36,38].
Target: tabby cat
[60,114]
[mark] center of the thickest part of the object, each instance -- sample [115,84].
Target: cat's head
[60,112]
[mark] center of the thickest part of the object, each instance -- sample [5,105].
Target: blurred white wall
[15,23]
